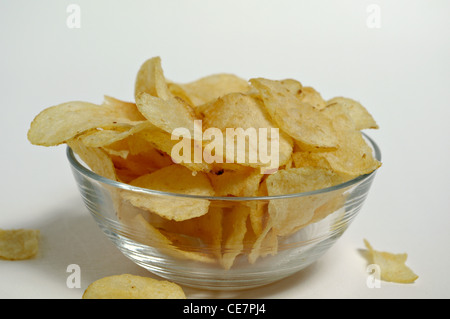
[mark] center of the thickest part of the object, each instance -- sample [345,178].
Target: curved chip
[127,286]
[173,179]
[150,79]
[213,86]
[358,113]
[302,121]
[57,124]
[392,266]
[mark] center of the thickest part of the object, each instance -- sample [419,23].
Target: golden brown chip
[302,121]
[359,114]
[19,244]
[150,79]
[167,114]
[392,266]
[290,214]
[101,138]
[212,87]
[127,286]
[234,230]
[127,110]
[168,243]
[95,158]
[183,154]
[311,96]
[173,179]
[240,183]
[205,231]
[240,117]
[265,244]
[60,123]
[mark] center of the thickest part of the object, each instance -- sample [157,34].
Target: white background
[399,71]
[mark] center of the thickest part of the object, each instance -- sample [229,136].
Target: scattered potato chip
[213,87]
[392,266]
[127,286]
[19,244]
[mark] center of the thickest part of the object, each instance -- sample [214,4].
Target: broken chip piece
[392,266]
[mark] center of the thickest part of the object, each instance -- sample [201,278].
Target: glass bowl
[208,253]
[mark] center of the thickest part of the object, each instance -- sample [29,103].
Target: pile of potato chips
[319,145]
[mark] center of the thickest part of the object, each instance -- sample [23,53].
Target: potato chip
[19,244]
[178,91]
[352,158]
[258,209]
[95,158]
[163,142]
[172,179]
[169,115]
[302,121]
[392,266]
[265,244]
[167,242]
[211,87]
[205,231]
[127,110]
[311,96]
[359,114]
[150,79]
[240,183]
[237,110]
[127,286]
[101,138]
[310,159]
[234,230]
[335,203]
[290,214]
[60,123]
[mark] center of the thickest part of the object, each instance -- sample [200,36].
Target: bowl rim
[80,168]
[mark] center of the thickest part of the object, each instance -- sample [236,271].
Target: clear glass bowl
[190,260]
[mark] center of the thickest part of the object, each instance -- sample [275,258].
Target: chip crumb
[19,244]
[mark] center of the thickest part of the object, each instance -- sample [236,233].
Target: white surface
[400,72]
